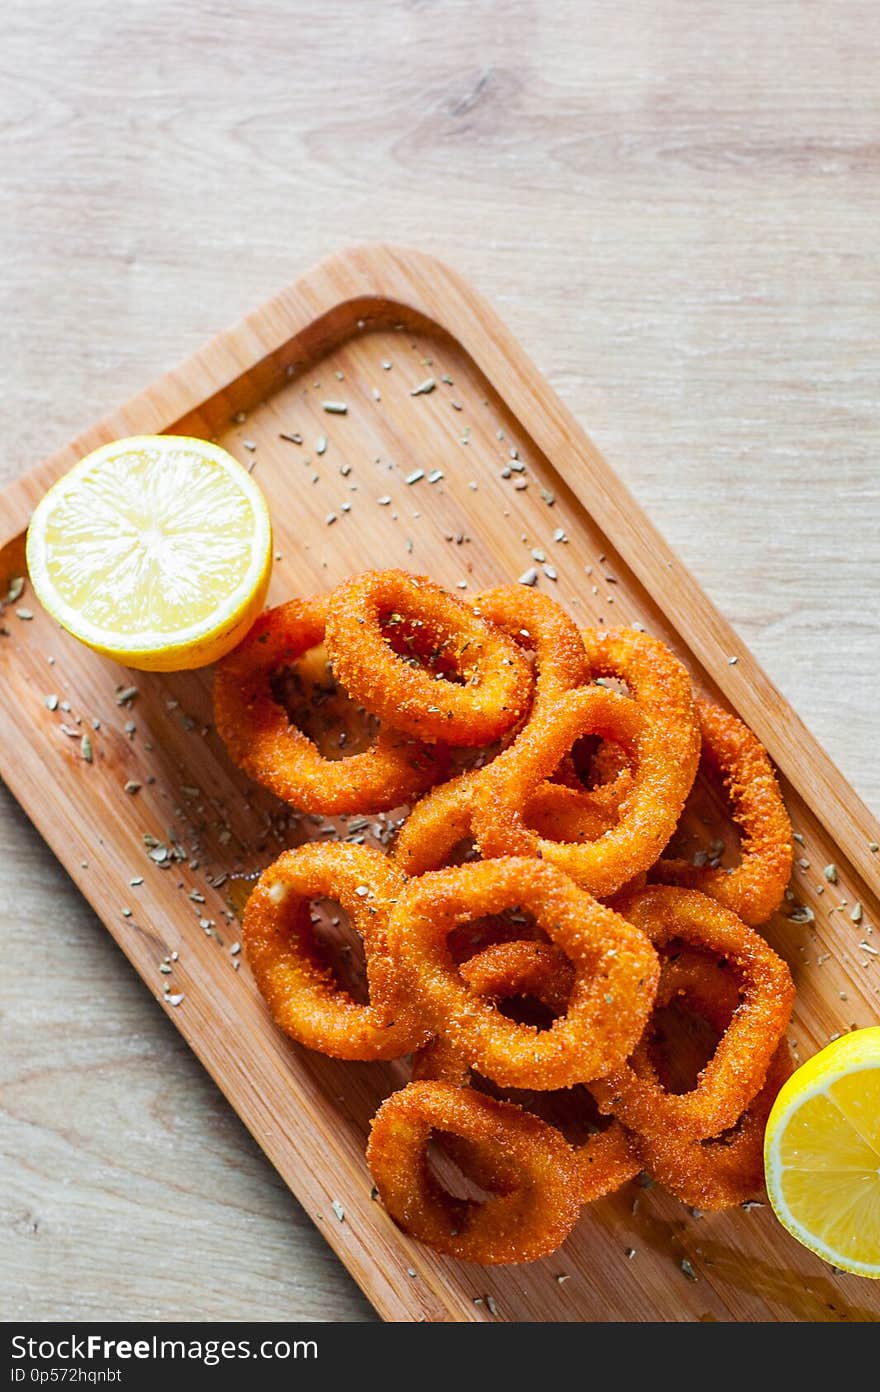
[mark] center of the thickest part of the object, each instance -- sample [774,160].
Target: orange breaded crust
[738,1068]
[735,756]
[661,687]
[545,964]
[301,991]
[720,1171]
[607,1158]
[528,1221]
[534,621]
[615,972]
[646,821]
[260,738]
[493,680]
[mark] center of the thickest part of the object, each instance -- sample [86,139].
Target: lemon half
[155,551]
[822,1153]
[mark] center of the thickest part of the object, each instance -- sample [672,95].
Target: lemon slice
[822,1153]
[155,551]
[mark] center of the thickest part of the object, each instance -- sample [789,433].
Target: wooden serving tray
[507,473]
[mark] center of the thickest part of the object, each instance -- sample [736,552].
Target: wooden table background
[673,204]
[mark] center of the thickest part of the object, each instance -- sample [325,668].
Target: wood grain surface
[672,206]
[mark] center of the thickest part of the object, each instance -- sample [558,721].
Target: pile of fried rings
[531,874]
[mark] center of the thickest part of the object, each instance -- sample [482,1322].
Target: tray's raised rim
[426,286]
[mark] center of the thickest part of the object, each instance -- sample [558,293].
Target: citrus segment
[822,1153]
[155,550]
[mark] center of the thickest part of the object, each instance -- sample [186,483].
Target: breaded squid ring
[300,989]
[755,888]
[529,1221]
[615,973]
[737,1069]
[260,738]
[704,984]
[521,968]
[496,973]
[610,775]
[660,685]
[494,680]
[436,825]
[443,816]
[607,1158]
[723,1170]
[728,1169]
[537,623]
[557,812]
[647,819]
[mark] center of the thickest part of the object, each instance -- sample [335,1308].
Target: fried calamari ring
[537,623]
[615,973]
[728,1169]
[260,738]
[661,687]
[606,774]
[707,989]
[436,825]
[557,812]
[300,989]
[658,683]
[443,816]
[723,1170]
[647,819]
[736,757]
[737,1069]
[489,685]
[497,973]
[521,968]
[607,1158]
[446,815]
[529,1221]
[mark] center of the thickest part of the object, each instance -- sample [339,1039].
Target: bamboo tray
[507,472]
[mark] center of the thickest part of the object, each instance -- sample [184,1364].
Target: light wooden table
[673,204]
